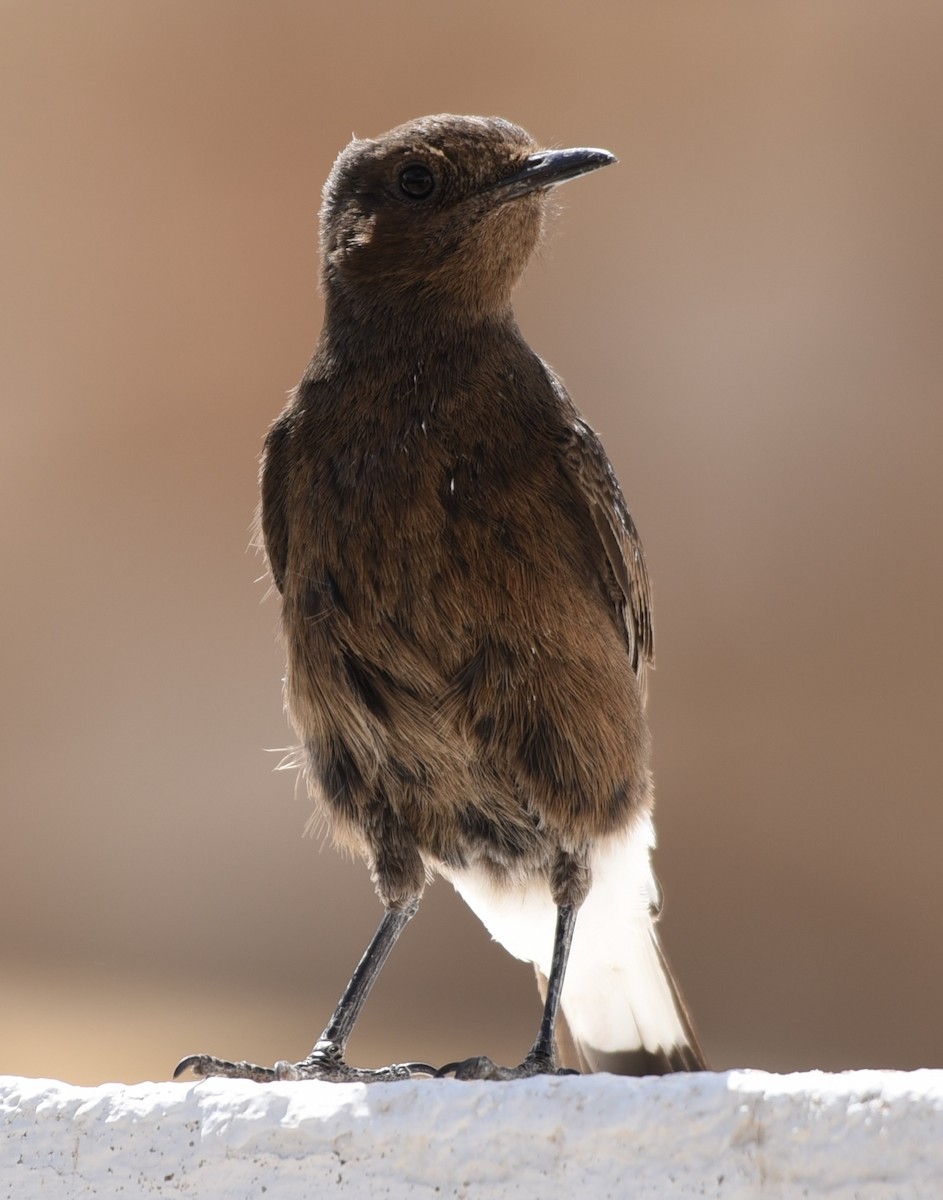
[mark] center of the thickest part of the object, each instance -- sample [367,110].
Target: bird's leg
[326,1060]
[541,1059]
[543,1048]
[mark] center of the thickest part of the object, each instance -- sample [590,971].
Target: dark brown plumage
[465,604]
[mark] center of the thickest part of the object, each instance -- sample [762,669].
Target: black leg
[331,1046]
[541,1059]
[566,922]
[326,1060]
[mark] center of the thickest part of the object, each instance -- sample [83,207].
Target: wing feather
[591,472]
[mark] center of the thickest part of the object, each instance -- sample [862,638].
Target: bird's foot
[325,1062]
[481,1067]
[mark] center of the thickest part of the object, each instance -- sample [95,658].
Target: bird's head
[439,216]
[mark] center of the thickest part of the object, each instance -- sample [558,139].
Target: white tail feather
[617,995]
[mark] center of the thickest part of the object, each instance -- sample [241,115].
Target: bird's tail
[641,1052]
[623,1011]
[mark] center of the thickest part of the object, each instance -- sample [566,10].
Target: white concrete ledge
[742,1134]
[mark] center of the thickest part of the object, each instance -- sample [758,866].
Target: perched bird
[465,604]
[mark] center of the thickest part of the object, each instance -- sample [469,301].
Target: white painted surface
[743,1134]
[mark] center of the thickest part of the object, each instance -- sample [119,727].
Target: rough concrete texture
[736,1135]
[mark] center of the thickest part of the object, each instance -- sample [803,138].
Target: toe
[478,1067]
[205,1065]
[482,1067]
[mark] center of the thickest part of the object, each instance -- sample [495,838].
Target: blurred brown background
[749,310]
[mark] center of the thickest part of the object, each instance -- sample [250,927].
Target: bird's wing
[590,470]
[272,519]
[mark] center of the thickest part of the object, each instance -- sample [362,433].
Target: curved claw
[420,1069]
[479,1067]
[185,1064]
[442,1072]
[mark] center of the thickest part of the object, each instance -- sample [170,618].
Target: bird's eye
[416,182]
